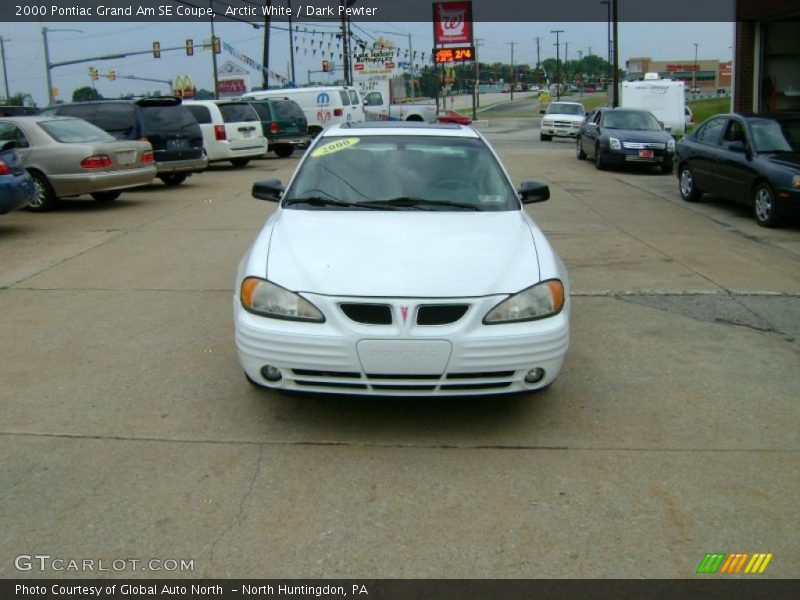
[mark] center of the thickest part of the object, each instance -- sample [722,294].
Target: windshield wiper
[421,203]
[323,201]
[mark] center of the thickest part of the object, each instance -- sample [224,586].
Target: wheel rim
[578,147]
[40,196]
[763,204]
[687,183]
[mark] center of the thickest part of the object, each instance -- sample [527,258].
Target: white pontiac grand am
[400,261]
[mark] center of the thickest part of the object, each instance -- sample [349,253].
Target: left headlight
[270,300]
[671,145]
[614,144]
[542,300]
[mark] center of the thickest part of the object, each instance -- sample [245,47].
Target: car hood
[402,253]
[558,117]
[786,160]
[635,135]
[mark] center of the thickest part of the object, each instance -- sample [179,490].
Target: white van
[322,106]
[231,130]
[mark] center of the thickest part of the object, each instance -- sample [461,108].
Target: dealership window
[779,85]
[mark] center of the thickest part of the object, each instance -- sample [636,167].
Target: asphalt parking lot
[129,431]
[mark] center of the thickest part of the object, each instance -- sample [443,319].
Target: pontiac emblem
[404,312]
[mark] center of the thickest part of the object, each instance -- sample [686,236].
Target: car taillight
[96,162]
[147,156]
[273,128]
[338,112]
[219,132]
[4,167]
[143,139]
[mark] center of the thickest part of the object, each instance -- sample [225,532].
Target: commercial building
[708,75]
[767,56]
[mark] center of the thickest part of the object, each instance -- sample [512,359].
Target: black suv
[163,121]
[284,124]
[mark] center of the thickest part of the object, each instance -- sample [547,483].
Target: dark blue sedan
[752,159]
[16,186]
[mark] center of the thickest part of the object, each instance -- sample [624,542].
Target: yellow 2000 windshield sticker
[334,147]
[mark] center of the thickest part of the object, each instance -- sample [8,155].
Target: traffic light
[189,47]
[93,73]
[215,45]
[112,74]
[325,66]
[156,50]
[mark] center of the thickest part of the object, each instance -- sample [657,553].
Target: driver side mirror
[533,191]
[738,146]
[270,190]
[541,112]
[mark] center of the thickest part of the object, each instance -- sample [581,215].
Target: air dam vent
[440,314]
[368,314]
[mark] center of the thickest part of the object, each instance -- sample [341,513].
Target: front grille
[483,375]
[311,373]
[368,314]
[440,314]
[643,145]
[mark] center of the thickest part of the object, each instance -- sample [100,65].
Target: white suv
[561,119]
[231,130]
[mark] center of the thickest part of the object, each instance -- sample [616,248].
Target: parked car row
[749,159]
[102,147]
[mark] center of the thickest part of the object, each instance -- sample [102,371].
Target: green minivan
[284,124]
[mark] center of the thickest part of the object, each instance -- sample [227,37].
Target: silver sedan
[70,157]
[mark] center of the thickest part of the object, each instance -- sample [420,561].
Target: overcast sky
[26,72]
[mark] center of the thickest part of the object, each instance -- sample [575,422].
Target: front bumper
[458,359]
[86,183]
[788,200]
[561,130]
[628,156]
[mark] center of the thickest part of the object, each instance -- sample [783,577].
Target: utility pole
[694,72]
[345,45]
[558,75]
[265,51]
[608,35]
[213,54]
[48,65]
[566,60]
[616,55]
[5,71]
[513,74]
[477,103]
[411,66]
[291,42]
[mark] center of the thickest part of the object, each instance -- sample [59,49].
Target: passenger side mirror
[270,190]
[533,191]
[667,128]
[541,112]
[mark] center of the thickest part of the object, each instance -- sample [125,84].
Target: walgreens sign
[452,23]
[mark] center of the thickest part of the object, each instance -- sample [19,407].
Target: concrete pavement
[128,429]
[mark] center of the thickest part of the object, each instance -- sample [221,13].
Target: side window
[734,132]
[117,118]
[597,117]
[9,132]
[79,111]
[709,132]
[345,97]
[373,99]
[200,112]
[353,98]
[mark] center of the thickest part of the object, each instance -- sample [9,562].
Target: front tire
[545,138]
[44,198]
[687,185]
[284,151]
[765,207]
[581,153]
[106,196]
[173,179]
[598,158]
[240,162]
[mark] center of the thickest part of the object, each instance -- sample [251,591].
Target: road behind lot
[128,430]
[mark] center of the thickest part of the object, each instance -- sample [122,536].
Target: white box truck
[664,98]
[380,105]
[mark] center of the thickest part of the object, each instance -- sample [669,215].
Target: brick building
[709,75]
[767,56]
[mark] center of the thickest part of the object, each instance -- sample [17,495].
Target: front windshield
[558,108]
[412,172]
[775,136]
[637,120]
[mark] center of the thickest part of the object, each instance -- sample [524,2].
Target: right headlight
[270,300]
[614,144]
[547,122]
[542,300]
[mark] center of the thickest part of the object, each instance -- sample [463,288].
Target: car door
[591,133]
[734,163]
[586,120]
[703,147]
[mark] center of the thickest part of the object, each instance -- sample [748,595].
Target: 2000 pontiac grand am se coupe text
[400,262]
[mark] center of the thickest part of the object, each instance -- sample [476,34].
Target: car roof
[419,128]
[37,118]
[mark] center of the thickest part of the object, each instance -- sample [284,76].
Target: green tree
[203,94]
[83,94]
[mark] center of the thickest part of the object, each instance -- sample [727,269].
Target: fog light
[534,375]
[271,373]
